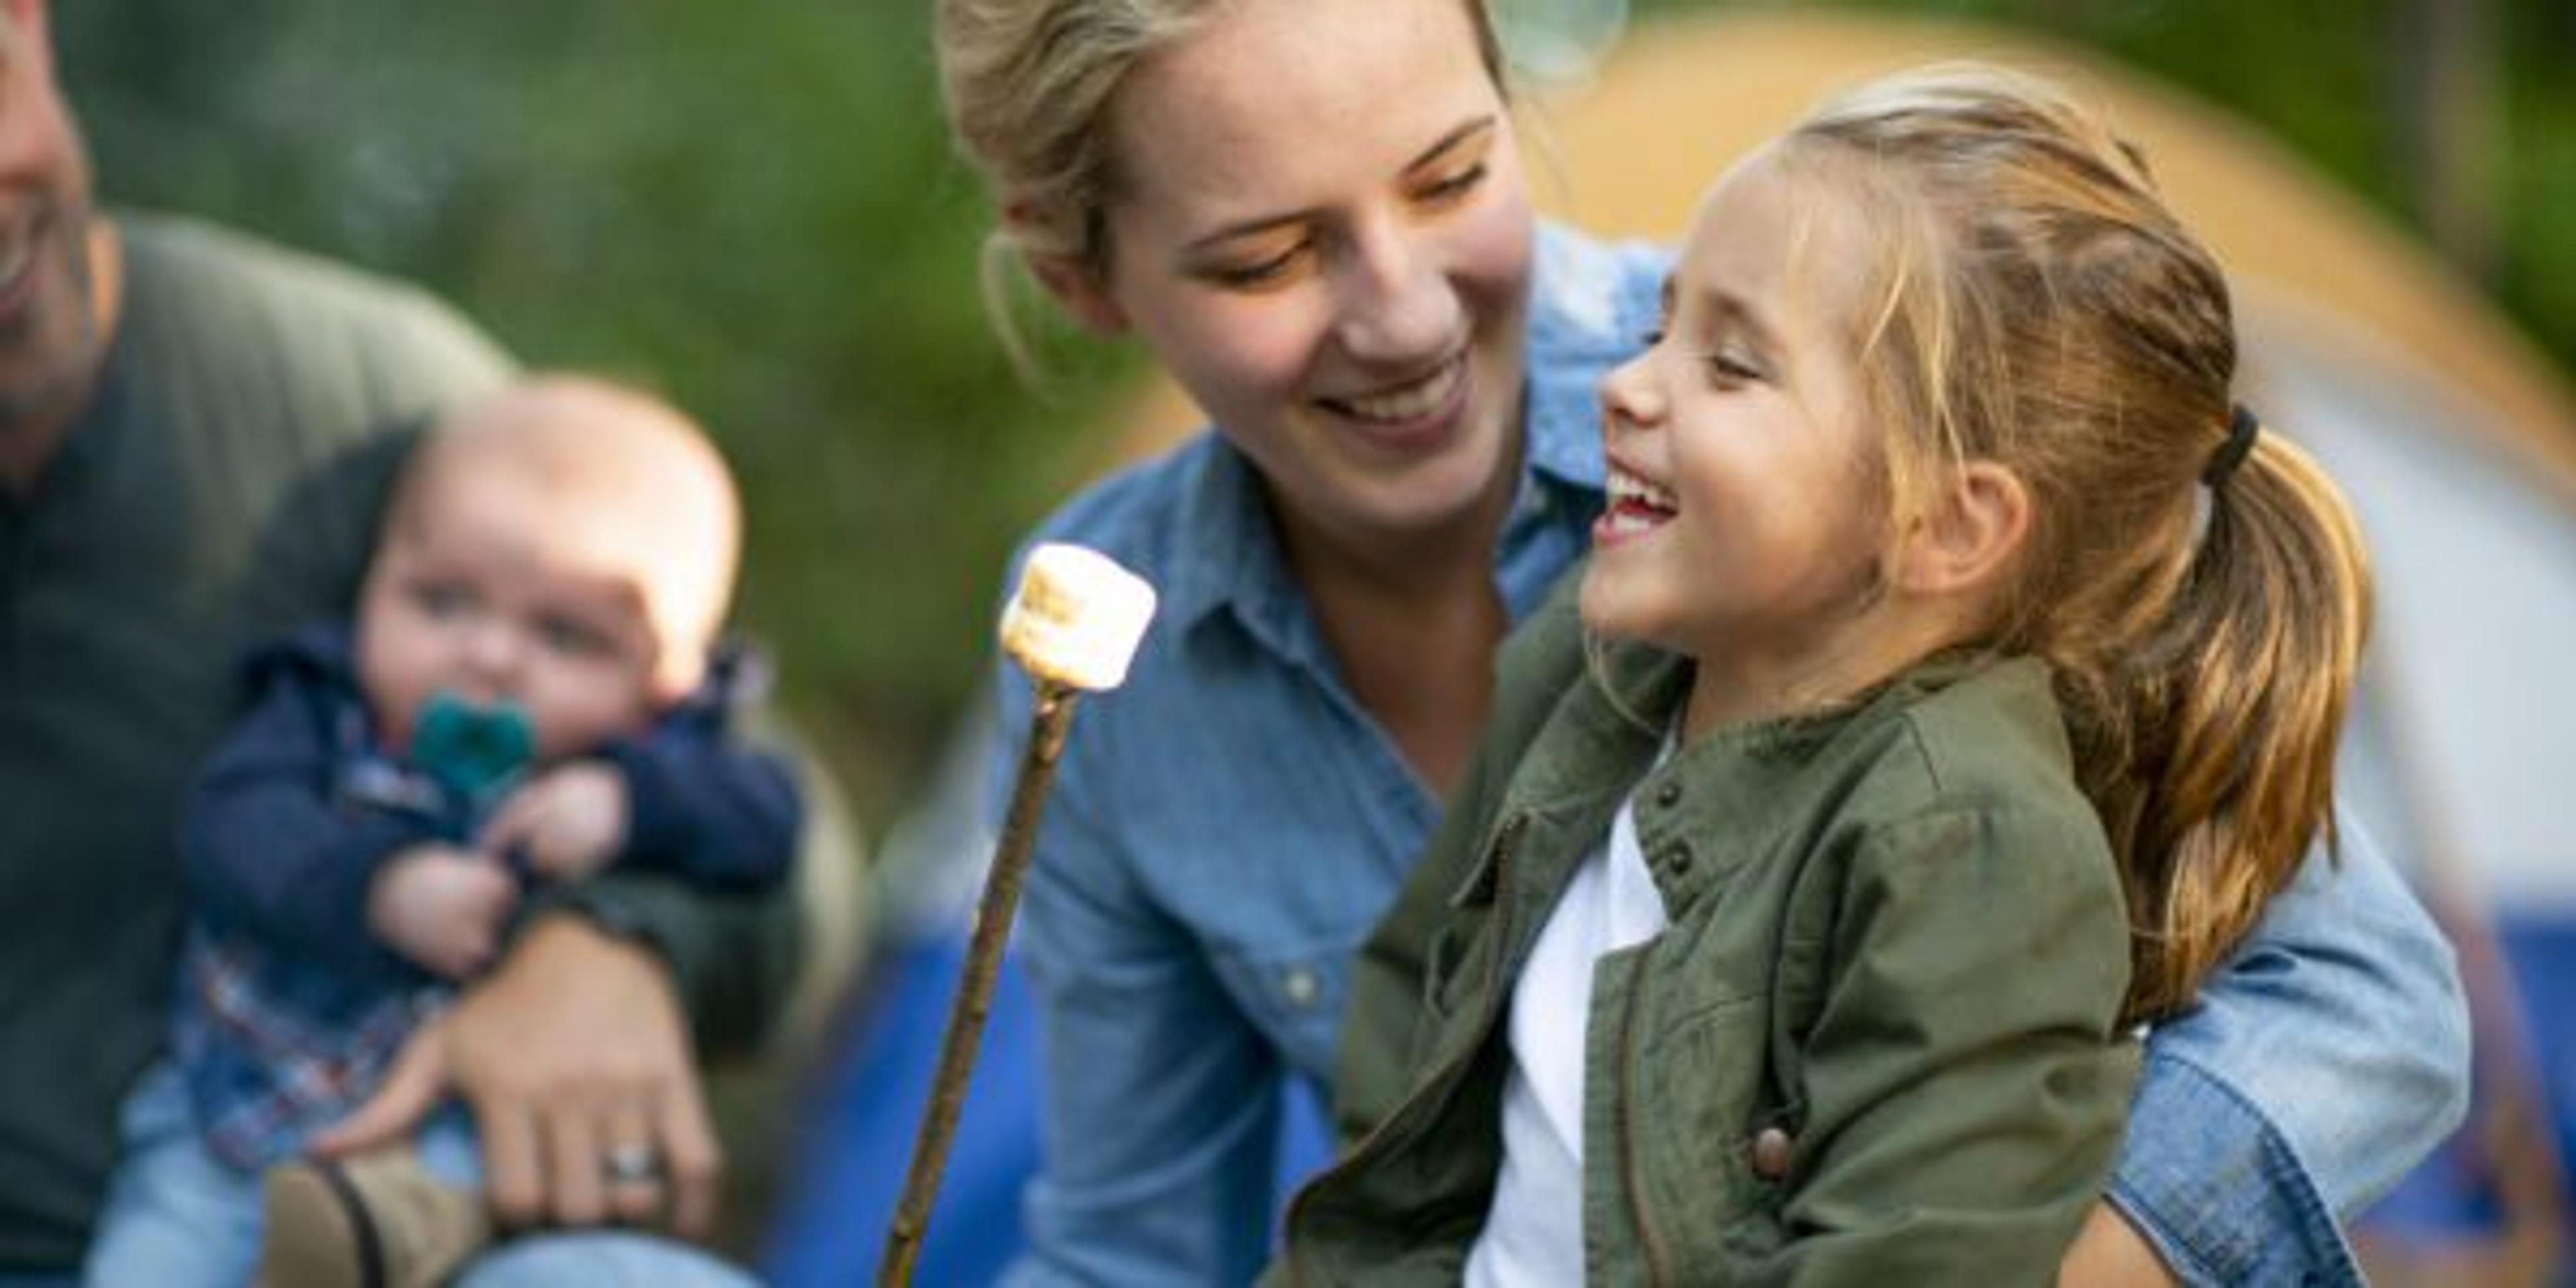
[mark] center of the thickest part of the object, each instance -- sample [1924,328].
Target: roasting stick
[1073,625]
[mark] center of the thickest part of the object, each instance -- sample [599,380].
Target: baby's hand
[567,822]
[442,908]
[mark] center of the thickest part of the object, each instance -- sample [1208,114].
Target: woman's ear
[1969,535]
[1079,292]
[1075,286]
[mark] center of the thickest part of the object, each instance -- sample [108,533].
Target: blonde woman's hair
[1028,86]
[2036,305]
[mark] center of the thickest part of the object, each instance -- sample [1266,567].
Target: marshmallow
[1077,618]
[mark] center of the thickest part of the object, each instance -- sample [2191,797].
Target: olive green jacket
[1897,947]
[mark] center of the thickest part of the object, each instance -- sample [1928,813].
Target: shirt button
[1301,987]
[1669,795]
[1771,1154]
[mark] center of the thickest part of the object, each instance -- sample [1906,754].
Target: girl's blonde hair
[2036,305]
[1028,86]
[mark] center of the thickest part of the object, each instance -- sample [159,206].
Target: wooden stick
[1052,716]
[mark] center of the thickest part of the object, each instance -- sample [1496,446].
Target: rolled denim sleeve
[2326,1058]
[1161,1103]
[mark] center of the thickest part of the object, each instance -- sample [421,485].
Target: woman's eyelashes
[1272,266]
[1450,188]
[1255,273]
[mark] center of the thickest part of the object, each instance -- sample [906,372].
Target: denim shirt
[1228,826]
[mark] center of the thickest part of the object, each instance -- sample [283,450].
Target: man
[195,435]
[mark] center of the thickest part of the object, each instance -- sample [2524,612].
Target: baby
[532,693]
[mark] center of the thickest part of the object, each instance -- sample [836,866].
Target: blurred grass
[752,207]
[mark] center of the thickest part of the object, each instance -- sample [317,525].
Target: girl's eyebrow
[1456,138]
[1729,309]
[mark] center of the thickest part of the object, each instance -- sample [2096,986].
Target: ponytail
[2236,706]
[2197,586]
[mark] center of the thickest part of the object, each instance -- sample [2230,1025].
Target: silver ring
[631,1164]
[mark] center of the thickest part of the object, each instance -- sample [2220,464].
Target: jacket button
[1677,857]
[1771,1154]
[1669,795]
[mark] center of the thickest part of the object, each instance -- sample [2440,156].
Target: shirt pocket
[1296,997]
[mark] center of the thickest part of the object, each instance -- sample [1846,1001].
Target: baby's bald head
[600,477]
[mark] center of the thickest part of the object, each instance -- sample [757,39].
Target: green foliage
[2536,278]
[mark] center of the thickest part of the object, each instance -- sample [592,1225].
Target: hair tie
[2232,453]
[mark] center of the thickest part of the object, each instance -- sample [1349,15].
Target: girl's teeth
[1628,487]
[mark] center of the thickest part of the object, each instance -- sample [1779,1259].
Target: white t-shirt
[1533,1236]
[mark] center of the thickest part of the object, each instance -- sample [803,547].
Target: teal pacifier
[476,750]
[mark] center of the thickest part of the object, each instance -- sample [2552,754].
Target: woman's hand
[2110,1253]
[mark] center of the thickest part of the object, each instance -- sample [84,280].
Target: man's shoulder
[242,266]
[228,297]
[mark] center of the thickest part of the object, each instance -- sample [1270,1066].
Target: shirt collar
[1228,556]
[1227,553]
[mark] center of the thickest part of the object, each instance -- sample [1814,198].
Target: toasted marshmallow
[1077,618]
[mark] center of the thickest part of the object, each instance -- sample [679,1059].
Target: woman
[1312,212]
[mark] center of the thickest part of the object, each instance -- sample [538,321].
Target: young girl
[1957,673]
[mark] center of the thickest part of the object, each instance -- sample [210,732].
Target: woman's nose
[1396,301]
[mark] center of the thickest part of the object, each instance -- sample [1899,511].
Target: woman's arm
[2326,1058]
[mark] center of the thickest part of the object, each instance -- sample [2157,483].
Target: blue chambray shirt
[1228,826]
